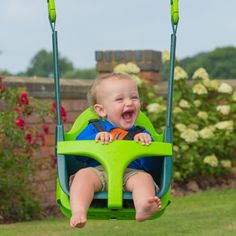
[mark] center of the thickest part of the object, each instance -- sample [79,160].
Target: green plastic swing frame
[125,151]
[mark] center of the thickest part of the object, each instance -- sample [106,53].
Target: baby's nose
[129,102]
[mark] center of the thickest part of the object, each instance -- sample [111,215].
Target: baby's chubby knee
[85,173]
[144,176]
[89,177]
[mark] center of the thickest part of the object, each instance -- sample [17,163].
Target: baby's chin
[126,126]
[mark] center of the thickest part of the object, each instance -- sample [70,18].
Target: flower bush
[204,123]
[18,141]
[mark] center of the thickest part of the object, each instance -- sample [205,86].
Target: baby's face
[118,102]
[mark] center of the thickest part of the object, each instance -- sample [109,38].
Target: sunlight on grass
[207,213]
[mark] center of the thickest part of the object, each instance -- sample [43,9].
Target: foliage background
[18,141]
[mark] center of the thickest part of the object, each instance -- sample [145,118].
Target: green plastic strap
[175,11]
[51,11]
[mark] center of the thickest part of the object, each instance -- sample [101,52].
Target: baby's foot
[148,209]
[78,219]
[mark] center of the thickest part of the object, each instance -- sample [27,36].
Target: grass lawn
[207,213]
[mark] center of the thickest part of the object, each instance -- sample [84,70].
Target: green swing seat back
[126,151]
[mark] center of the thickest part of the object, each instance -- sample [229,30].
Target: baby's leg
[85,183]
[143,190]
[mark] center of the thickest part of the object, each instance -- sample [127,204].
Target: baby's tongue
[127,115]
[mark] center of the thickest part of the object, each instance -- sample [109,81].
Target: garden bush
[204,121]
[18,141]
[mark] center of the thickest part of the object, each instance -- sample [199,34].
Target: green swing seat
[114,157]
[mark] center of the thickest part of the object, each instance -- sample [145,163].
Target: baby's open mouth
[127,115]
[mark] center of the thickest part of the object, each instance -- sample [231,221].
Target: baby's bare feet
[148,209]
[78,219]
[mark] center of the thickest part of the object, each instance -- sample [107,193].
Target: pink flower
[24,99]
[20,123]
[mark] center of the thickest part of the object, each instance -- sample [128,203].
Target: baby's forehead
[114,79]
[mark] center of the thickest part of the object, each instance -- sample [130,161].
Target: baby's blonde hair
[92,94]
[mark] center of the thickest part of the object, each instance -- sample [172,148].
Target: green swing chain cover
[51,11]
[175,11]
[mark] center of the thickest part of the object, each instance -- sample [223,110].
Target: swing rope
[168,134]
[52,20]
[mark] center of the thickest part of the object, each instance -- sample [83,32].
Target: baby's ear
[100,110]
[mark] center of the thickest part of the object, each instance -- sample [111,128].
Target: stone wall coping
[71,88]
[44,87]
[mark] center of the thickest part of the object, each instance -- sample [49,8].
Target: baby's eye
[118,99]
[135,97]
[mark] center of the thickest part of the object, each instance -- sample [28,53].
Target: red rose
[45,128]
[28,138]
[20,122]
[63,111]
[24,99]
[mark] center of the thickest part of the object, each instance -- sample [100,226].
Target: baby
[115,99]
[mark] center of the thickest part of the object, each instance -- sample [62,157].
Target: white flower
[190,135]
[129,68]
[226,163]
[200,73]
[203,115]
[211,160]
[180,127]
[225,88]
[165,56]
[137,80]
[197,103]
[184,104]
[132,68]
[177,175]
[211,84]
[175,148]
[155,108]
[234,96]
[224,109]
[177,110]
[180,73]
[199,89]
[121,68]
[225,125]
[207,132]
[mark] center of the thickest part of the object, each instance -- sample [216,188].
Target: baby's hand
[105,137]
[144,138]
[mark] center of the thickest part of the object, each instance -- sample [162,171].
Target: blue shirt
[90,132]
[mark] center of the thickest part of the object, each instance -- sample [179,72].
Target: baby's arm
[145,138]
[105,137]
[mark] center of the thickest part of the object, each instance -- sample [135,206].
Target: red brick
[72,116]
[50,140]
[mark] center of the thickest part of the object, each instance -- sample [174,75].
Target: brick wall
[148,61]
